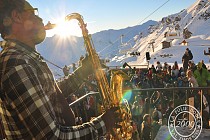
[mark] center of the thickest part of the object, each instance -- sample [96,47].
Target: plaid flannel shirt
[28,107]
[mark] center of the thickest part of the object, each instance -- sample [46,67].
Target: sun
[67,28]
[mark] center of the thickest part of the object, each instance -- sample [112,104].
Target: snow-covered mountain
[191,24]
[170,29]
[65,51]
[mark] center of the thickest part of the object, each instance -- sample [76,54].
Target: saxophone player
[32,105]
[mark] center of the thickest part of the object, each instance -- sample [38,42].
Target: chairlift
[124,51]
[151,41]
[137,53]
[124,44]
[207,53]
[127,47]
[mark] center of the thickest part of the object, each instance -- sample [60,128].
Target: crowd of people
[151,109]
[165,76]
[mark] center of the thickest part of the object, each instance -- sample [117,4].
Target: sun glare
[67,28]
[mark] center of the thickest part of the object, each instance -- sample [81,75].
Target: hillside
[118,45]
[170,29]
[65,51]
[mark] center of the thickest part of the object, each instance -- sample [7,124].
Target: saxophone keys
[130,129]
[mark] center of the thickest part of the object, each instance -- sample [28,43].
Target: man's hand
[111,118]
[86,68]
[87,64]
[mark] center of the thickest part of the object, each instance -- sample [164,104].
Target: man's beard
[40,36]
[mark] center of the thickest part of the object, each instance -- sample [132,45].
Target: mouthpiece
[49,26]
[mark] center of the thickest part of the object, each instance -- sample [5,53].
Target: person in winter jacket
[190,53]
[185,60]
[202,75]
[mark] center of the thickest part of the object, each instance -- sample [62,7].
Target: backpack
[190,55]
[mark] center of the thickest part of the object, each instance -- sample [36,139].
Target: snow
[110,44]
[197,43]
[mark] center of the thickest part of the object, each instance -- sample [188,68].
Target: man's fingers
[115,108]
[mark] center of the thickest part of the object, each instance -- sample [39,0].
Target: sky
[106,14]
[62,53]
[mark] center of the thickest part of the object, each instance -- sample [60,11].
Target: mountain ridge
[117,45]
[67,51]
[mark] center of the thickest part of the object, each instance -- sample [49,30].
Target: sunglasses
[34,10]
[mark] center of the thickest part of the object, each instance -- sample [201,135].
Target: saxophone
[110,96]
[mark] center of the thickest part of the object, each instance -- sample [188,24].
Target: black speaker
[148,56]
[125,64]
